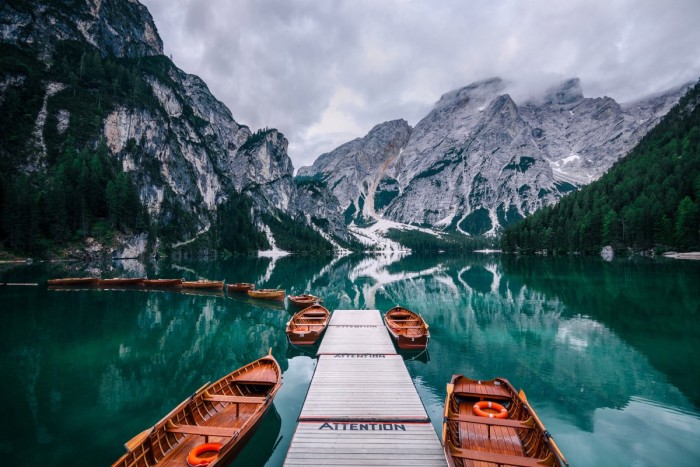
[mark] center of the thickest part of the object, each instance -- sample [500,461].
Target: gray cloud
[325,72]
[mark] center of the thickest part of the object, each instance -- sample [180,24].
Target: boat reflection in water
[261,446]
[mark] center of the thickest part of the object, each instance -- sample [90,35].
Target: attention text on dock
[362,426]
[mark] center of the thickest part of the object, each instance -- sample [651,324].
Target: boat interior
[225,410]
[474,440]
[406,323]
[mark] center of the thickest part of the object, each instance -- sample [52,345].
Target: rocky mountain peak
[479,161]
[565,93]
[116,27]
[476,93]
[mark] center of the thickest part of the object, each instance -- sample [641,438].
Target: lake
[606,351]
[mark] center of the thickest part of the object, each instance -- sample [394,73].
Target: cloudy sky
[326,71]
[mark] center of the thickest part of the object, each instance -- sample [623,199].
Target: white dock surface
[356,339]
[338,443]
[356,317]
[362,407]
[362,387]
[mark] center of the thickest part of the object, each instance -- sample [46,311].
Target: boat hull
[72,281]
[209,285]
[240,287]
[408,329]
[303,301]
[410,343]
[121,281]
[162,283]
[267,294]
[307,326]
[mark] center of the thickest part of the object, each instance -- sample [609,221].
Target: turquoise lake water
[606,352]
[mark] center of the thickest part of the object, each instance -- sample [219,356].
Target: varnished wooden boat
[267,294]
[304,300]
[120,281]
[162,282]
[226,412]
[507,433]
[240,287]
[73,281]
[307,326]
[408,329]
[203,284]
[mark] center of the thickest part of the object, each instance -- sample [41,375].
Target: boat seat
[500,459]
[528,424]
[205,431]
[234,399]
[481,395]
[258,382]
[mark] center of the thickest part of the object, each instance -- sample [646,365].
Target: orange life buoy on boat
[194,459]
[479,406]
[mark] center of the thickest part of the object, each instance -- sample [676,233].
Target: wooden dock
[362,407]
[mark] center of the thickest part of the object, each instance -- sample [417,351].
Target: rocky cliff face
[185,152]
[479,161]
[123,28]
[354,170]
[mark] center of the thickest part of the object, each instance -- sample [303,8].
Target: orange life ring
[194,459]
[479,406]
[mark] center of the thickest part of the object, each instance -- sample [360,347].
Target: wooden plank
[362,387]
[204,430]
[356,317]
[356,339]
[499,459]
[341,443]
[234,399]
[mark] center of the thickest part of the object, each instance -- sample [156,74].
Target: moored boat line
[73,281]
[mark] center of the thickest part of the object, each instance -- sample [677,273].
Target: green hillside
[650,199]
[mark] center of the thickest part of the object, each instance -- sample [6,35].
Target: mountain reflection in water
[605,351]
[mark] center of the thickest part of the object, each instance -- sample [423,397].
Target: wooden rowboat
[267,294]
[203,284]
[224,414]
[120,281]
[408,329]
[304,300]
[307,326]
[162,282]
[240,287]
[72,281]
[488,421]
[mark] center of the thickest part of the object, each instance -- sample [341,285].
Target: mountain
[353,170]
[479,161]
[650,199]
[87,96]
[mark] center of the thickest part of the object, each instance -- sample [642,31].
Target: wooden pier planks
[362,408]
[362,387]
[344,443]
[356,317]
[356,339]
